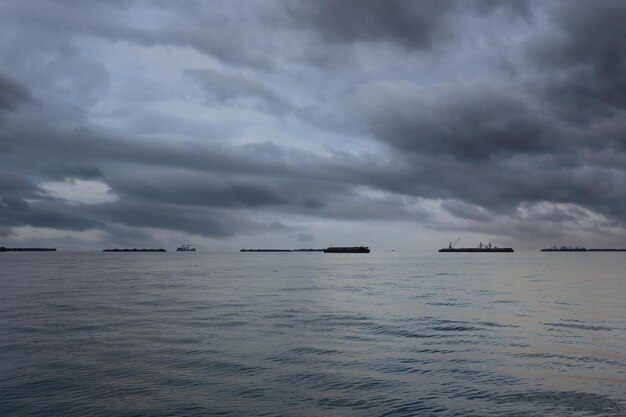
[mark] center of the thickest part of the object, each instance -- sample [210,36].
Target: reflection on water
[312,334]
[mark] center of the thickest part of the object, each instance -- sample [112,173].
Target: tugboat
[186,248]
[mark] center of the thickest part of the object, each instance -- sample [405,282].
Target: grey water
[312,334]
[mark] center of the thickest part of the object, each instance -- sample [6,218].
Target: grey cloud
[120,236]
[12,93]
[542,222]
[221,29]
[305,237]
[203,191]
[208,28]
[13,184]
[232,88]
[466,211]
[85,144]
[87,147]
[406,126]
[557,215]
[412,24]
[520,8]
[153,122]
[585,57]
[6,232]
[287,196]
[47,214]
[508,178]
[215,223]
[14,203]
[66,171]
[38,46]
[474,123]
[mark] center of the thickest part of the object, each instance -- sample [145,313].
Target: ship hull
[134,250]
[357,249]
[3,249]
[478,250]
[564,250]
[585,250]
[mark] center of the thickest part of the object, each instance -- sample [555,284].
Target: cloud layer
[292,121]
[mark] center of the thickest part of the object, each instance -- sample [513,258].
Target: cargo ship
[564,249]
[332,249]
[186,248]
[489,248]
[3,249]
[347,249]
[134,250]
[579,249]
[266,250]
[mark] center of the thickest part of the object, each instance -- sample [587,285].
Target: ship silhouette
[489,248]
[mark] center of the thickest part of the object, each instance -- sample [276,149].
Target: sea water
[312,334]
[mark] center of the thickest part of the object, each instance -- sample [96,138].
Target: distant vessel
[489,248]
[347,249]
[266,250]
[134,250]
[281,250]
[3,249]
[564,249]
[579,249]
[336,249]
[186,248]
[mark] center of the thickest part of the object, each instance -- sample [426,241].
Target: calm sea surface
[312,334]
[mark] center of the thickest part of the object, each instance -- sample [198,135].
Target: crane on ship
[453,244]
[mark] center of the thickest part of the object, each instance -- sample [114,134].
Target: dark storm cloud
[176,196]
[466,123]
[501,146]
[83,147]
[12,93]
[584,57]
[411,24]
[214,223]
[466,211]
[293,196]
[191,190]
[414,25]
[12,184]
[14,203]
[500,186]
[66,171]
[232,88]
[520,8]
[46,214]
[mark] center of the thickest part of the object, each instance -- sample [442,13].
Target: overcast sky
[394,124]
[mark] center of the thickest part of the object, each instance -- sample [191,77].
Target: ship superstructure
[488,248]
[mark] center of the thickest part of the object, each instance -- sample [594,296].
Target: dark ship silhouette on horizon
[581,249]
[331,249]
[489,248]
[5,249]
